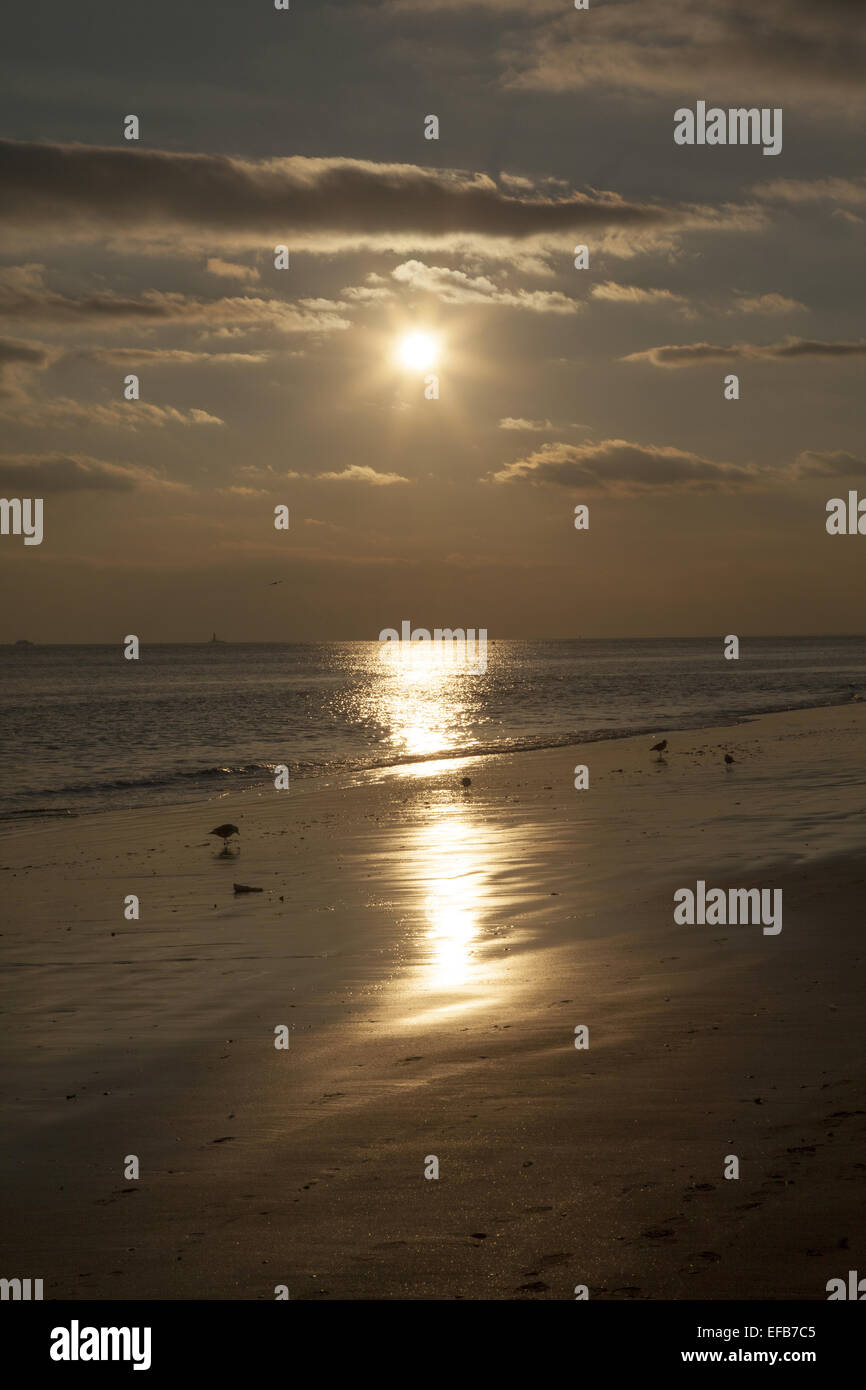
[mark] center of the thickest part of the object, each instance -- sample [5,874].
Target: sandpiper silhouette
[224,831]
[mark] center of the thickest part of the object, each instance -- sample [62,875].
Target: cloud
[615,465]
[795,52]
[618,467]
[129,357]
[228,270]
[694,354]
[843,194]
[456,287]
[367,294]
[17,360]
[360,473]
[124,415]
[25,295]
[851,192]
[56,192]
[631,294]
[509,423]
[42,474]
[838,464]
[770,304]
[537,426]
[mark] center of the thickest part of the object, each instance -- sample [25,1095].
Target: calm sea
[84,729]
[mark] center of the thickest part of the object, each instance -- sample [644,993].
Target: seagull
[659,748]
[225,831]
[729,758]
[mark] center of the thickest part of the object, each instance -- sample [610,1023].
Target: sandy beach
[432,950]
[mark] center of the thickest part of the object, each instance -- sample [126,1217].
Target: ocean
[85,730]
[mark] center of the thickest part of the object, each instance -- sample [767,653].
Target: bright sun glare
[418,350]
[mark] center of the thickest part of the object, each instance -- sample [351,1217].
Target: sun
[418,350]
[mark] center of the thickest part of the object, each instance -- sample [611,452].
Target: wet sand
[432,950]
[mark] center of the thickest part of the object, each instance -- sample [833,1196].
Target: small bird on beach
[729,758]
[224,831]
[659,748]
[466,781]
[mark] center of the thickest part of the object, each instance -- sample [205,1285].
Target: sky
[558,386]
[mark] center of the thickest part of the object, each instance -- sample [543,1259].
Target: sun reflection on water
[453,862]
[422,700]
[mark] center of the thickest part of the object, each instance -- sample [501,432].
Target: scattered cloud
[456,287]
[536,426]
[133,356]
[631,294]
[228,270]
[792,349]
[17,360]
[166,200]
[25,295]
[849,192]
[619,467]
[509,423]
[792,51]
[837,464]
[615,465]
[769,304]
[360,473]
[123,415]
[43,474]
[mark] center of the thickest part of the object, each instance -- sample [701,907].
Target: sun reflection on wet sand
[460,873]
[453,865]
[454,902]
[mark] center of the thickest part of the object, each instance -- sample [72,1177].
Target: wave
[99,792]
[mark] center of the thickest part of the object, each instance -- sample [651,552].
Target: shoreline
[431,951]
[349,770]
